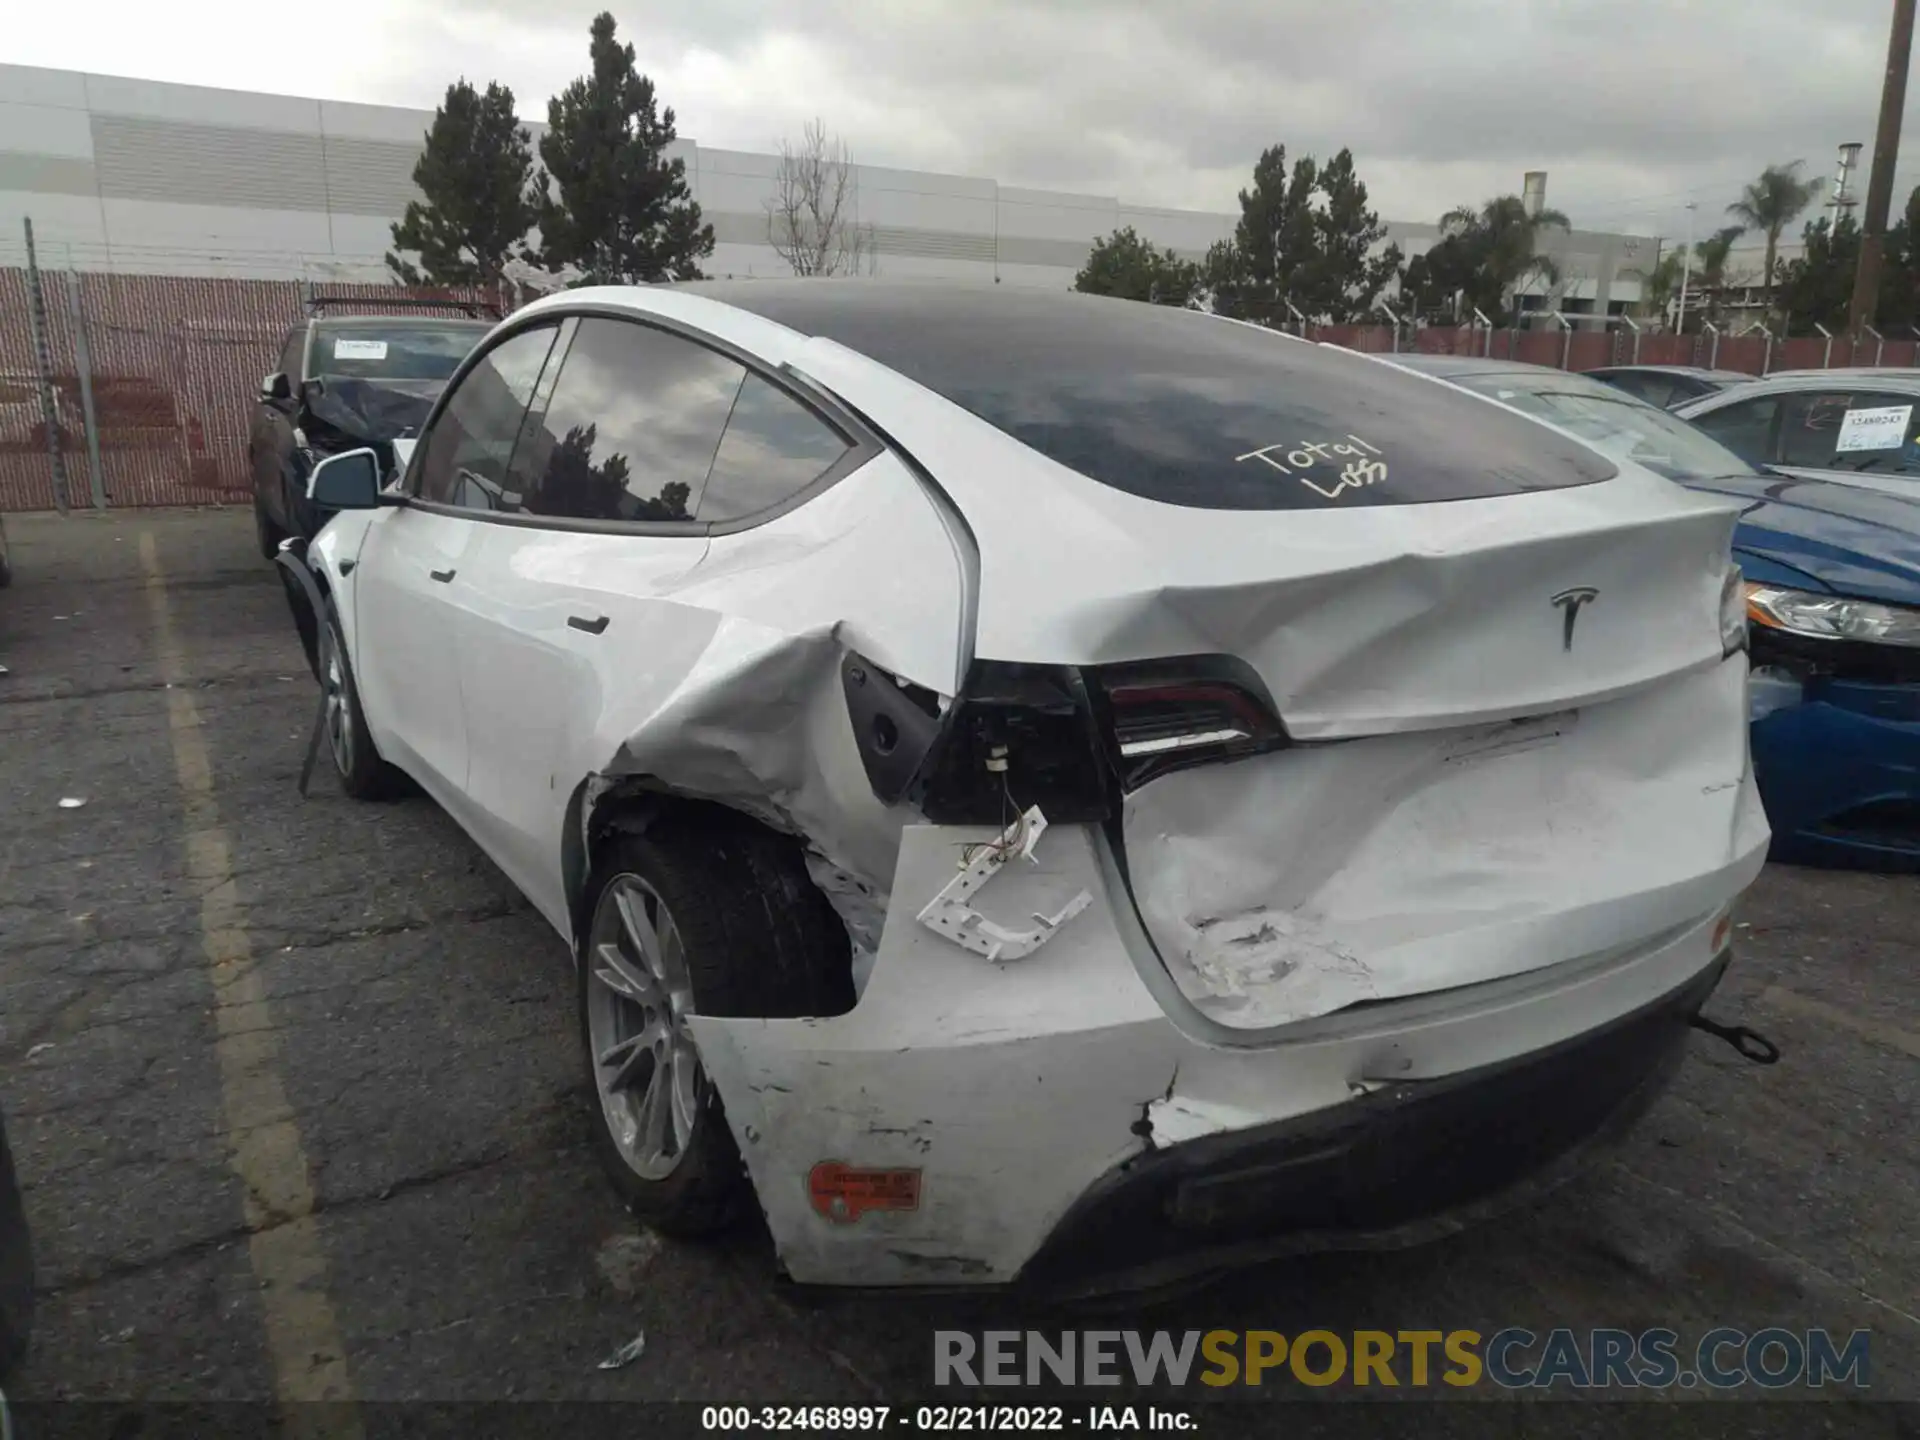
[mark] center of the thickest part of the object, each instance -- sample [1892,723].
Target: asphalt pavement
[294,1090]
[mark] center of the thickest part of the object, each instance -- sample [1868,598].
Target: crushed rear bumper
[1402,1165]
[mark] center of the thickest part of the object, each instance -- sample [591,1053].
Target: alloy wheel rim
[646,1068]
[339,716]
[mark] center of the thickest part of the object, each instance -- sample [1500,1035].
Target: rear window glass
[1181,407]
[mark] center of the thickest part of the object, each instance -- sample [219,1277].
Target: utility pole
[1686,274]
[1886,149]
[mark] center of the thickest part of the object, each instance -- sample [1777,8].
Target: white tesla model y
[1042,786]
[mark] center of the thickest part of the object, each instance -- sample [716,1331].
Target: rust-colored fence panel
[176,365]
[1589,349]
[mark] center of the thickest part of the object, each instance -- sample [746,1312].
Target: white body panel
[1556,826]
[409,677]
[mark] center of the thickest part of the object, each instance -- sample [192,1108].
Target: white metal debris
[949,914]
[626,1354]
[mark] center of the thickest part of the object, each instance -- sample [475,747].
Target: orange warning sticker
[843,1193]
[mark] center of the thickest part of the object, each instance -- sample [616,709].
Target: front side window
[1746,428]
[465,455]
[1840,430]
[630,429]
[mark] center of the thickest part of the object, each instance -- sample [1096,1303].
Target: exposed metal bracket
[949,914]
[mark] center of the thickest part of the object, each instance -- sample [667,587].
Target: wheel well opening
[750,856]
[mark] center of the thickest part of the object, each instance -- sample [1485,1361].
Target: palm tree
[1772,203]
[1503,239]
[1711,256]
[1660,285]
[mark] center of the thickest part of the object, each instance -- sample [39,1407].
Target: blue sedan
[1833,605]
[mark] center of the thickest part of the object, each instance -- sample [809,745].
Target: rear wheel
[710,916]
[363,774]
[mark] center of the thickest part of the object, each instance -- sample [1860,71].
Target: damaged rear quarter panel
[748,708]
[1010,1087]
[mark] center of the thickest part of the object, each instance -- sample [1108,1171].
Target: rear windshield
[1182,407]
[400,351]
[1616,422]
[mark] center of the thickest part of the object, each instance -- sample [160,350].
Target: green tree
[1448,283]
[1123,264]
[1502,241]
[473,175]
[611,204]
[1816,287]
[1770,204]
[1307,238]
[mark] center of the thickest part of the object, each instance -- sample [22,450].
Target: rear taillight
[1070,741]
[1195,710]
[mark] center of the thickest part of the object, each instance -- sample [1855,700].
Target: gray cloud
[1632,106]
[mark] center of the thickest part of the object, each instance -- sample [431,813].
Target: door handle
[592,627]
[443,576]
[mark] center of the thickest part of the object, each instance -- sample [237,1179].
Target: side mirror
[275,387]
[347,481]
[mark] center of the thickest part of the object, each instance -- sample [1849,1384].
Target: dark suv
[347,381]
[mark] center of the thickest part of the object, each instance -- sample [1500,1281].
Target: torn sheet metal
[1295,884]
[949,914]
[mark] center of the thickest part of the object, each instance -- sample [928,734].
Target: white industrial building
[139,177]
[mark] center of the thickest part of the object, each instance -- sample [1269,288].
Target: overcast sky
[1632,106]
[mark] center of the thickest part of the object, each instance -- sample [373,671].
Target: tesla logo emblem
[1570,601]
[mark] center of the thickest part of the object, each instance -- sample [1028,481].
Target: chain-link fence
[151,381]
[148,382]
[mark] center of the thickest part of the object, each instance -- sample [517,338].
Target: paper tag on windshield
[1882,428]
[359,349]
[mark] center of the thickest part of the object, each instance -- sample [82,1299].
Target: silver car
[1854,427]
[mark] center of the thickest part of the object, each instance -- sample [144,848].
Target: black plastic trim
[1377,1171]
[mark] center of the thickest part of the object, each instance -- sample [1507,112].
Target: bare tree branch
[812,219]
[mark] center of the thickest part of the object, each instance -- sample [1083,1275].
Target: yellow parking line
[289,1260]
[1778,997]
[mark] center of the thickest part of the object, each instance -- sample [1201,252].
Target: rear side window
[465,454]
[1746,428]
[630,429]
[773,448]
[1180,407]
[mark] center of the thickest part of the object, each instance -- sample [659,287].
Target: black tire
[759,940]
[363,774]
[16,1267]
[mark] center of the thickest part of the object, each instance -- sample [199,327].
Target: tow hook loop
[1750,1043]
